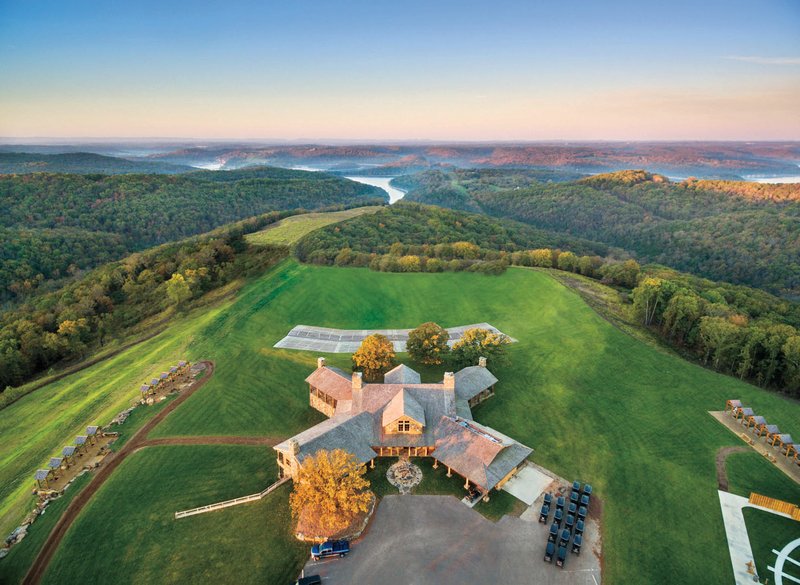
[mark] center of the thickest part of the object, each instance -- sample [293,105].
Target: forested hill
[82,162]
[52,225]
[745,233]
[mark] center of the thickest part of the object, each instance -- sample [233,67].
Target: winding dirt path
[722,455]
[138,441]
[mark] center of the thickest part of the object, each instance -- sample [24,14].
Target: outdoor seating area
[61,469]
[165,382]
[569,522]
[782,443]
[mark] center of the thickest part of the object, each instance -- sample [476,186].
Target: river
[395,194]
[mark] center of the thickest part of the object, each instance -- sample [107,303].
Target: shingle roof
[477,452]
[80,439]
[352,434]
[41,474]
[773,429]
[473,380]
[786,439]
[401,374]
[747,411]
[759,420]
[403,405]
[55,462]
[333,382]
[92,430]
[68,451]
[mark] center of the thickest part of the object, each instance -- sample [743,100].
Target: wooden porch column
[466,485]
[448,472]
[435,464]
[372,463]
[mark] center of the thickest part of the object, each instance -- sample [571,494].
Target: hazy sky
[462,70]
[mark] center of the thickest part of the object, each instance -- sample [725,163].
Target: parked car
[331,548]
[576,544]
[562,557]
[574,497]
[576,486]
[310,580]
[544,513]
[560,501]
[579,526]
[553,536]
[565,536]
[570,522]
[585,500]
[573,509]
[587,490]
[559,516]
[549,552]
[548,498]
[582,512]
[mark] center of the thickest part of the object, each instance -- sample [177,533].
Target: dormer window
[403,426]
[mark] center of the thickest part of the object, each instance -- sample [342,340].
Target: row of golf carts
[569,521]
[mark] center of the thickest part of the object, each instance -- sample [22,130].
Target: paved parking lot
[416,540]
[325,340]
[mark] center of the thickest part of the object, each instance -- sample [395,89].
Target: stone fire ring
[404,475]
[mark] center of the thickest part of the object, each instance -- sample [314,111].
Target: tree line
[746,233]
[54,226]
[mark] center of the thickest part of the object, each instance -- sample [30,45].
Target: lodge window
[280,457]
[403,426]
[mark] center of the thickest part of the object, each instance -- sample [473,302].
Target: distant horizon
[453,71]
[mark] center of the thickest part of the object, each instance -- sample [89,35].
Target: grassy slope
[287,231]
[594,403]
[139,541]
[38,425]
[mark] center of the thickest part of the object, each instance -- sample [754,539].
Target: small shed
[80,442]
[91,432]
[42,476]
[781,440]
[768,430]
[154,382]
[68,453]
[755,421]
[732,405]
[744,412]
[55,463]
[791,449]
[145,389]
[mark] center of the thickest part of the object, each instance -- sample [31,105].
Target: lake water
[382,182]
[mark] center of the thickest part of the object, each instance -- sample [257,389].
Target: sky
[402,70]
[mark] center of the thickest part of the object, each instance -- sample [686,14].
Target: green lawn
[593,402]
[770,532]
[34,428]
[287,231]
[127,533]
[434,481]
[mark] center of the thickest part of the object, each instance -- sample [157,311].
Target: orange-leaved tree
[330,488]
[374,357]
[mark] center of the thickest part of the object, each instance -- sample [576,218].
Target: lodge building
[403,416]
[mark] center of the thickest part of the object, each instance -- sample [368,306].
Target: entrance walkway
[325,340]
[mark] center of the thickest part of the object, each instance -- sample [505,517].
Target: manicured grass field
[769,532]
[38,425]
[128,534]
[593,402]
[287,231]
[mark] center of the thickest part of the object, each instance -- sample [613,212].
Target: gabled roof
[42,474]
[477,452]
[55,462]
[403,405]
[401,374]
[759,420]
[352,434]
[786,439]
[68,451]
[473,380]
[333,382]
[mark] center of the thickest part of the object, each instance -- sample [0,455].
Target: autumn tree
[542,257]
[477,343]
[330,488]
[178,289]
[427,344]
[374,357]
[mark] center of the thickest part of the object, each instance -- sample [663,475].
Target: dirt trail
[136,442]
[722,474]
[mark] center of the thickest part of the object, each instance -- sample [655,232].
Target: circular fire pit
[404,475]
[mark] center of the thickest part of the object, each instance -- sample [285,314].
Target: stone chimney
[320,362]
[481,361]
[357,380]
[294,447]
[449,381]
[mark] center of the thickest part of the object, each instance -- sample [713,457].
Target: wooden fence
[777,505]
[229,503]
